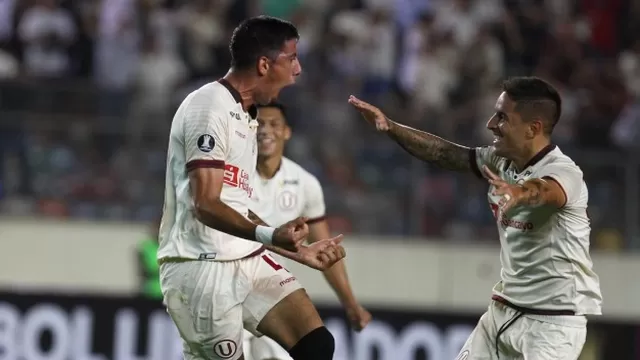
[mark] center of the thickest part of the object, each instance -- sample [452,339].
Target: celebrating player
[539,199]
[215,274]
[283,190]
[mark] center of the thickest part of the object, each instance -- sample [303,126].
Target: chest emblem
[287,200]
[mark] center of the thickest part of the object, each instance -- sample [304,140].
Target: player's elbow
[205,206]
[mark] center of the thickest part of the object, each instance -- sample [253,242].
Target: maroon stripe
[196,164]
[256,253]
[523,310]
[316,220]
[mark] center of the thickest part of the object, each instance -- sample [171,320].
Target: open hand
[511,194]
[371,113]
[290,236]
[322,254]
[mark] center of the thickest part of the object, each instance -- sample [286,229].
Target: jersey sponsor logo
[290,182]
[287,280]
[206,143]
[243,136]
[225,349]
[236,177]
[235,115]
[207,256]
[287,200]
[506,222]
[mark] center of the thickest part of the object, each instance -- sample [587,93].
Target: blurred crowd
[88,89]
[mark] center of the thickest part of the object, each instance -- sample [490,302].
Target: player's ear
[287,133]
[536,127]
[263,65]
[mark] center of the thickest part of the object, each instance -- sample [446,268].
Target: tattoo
[253,217]
[538,192]
[431,148]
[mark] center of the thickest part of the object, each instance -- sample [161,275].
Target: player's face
[509,131]
[278,73]
[273,132]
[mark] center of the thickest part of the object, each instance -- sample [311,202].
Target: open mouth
[497,138]
[266,141]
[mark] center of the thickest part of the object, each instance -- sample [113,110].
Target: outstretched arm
[430,148]
[421,144]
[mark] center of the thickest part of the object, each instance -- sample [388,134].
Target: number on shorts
[272,263]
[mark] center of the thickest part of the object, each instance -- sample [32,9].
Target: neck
[529,152]
[268,166]
[245,84]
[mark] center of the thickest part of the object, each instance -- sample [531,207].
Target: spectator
[47,31]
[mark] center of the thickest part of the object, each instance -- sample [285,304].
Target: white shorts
[529,337]
[212,301]
[263,348]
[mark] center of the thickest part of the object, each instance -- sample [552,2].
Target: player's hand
[358,317]
[512,195]
[290,236]
[322,254]
[371,113]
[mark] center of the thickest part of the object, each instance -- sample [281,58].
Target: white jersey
[210,129]
[291,193]
[544,251]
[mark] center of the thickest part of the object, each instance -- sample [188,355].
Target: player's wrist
[264,234]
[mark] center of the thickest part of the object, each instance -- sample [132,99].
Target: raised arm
[430,148]
[421,144]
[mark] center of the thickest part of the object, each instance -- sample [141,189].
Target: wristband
[264,234]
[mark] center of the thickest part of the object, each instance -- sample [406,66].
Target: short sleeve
[480,156]
[314,208]
[206,139]
[568,176]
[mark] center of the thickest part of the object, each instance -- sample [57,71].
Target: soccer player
[215,275]
[283,190]
[539,199]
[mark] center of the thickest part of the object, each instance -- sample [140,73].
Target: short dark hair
[276,105]
[535,97]
[259,36]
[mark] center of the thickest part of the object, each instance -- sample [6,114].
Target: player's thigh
[481,343]
[546,341]
[204,300]
[265,348]
[278,306]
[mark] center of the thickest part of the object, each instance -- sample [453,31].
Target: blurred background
[88,89]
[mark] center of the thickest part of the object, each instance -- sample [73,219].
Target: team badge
[225,349]
[206,143]
[287,200]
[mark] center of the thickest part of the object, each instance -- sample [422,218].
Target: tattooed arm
[430,148]
[533,192]
[420,144]
[544,191]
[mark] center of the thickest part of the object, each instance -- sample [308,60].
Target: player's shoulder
[214,97]
[294,170]
[558,159]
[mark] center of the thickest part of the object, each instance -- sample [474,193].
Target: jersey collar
[539,156]
[253,110]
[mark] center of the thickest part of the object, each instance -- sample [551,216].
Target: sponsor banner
[47,327]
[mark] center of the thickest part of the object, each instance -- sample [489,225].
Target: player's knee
[316,345]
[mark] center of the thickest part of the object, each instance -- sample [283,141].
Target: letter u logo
[225,349]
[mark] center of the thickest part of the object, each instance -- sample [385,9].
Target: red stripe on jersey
[196,164]
[315,220]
